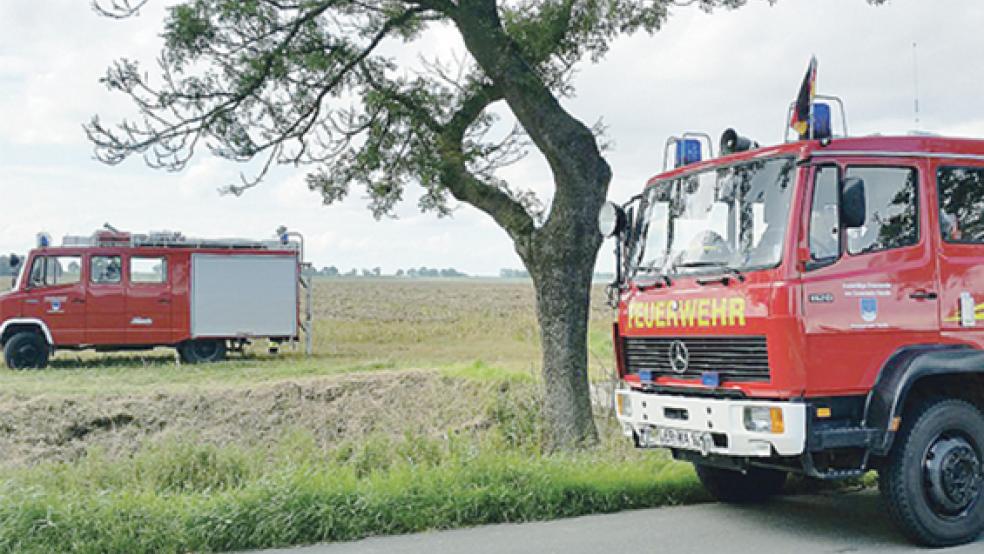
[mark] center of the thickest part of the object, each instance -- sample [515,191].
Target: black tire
[933,479]
[26,350]
[754,486]
[202,351]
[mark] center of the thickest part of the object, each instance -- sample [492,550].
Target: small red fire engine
[814,307]
[117,291]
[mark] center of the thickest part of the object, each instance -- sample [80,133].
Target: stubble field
[419,409]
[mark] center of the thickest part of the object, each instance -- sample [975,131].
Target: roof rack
[111,237]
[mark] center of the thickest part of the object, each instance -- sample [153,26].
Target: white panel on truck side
[243,295]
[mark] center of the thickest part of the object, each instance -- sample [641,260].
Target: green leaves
[188,30]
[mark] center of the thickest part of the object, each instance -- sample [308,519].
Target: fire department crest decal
[869,309]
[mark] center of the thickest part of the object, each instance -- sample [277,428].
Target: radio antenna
[915,82]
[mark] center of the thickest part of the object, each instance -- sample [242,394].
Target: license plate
[664,437]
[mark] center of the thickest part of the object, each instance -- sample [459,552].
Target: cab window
[891,197]
[961,191]
[104,270]
[148,270]
[825,215]
[48,271]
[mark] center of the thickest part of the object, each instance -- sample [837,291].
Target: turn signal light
[623,405]
[778,425]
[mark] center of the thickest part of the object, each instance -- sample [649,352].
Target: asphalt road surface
[829,523]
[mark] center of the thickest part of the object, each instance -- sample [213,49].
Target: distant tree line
[432,272]
[509,273]
[413,272]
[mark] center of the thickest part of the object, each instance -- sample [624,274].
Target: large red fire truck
[814,307]
[120,291]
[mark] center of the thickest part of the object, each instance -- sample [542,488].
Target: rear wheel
[202,351]
[754,485]
[26,350]
[933,479]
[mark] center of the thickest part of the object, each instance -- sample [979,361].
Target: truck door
[105,301]
[148,301]
[57,297]
[872,290]
[960,193]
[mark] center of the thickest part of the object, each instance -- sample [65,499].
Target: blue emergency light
[687,151]
[821,121]
[710,379]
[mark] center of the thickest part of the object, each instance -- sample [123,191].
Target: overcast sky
[701,72]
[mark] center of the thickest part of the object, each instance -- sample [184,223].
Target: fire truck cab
[815,307]
[116,291]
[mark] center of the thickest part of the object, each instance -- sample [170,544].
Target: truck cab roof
[909,146]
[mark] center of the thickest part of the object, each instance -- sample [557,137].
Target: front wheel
[933,479]
[26,350]
[201,351]
[752,486]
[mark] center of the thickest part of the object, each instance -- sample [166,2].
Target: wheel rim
[953,475]
[205,350]
[26,355]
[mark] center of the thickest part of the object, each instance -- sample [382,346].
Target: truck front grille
[733,358]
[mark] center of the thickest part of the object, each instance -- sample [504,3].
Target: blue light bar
[687,152]
[821,121]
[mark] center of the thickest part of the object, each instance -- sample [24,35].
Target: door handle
[923,295]
[164,301]
[78,301]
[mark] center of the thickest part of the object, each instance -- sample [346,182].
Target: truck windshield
[729,218]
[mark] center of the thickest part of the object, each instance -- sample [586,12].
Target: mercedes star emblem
[679,356]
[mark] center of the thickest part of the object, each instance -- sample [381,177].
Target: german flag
[800,121]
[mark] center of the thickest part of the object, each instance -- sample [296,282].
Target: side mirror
[14,260]
[853,207]
[612,220]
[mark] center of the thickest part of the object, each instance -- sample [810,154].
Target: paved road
[830,523]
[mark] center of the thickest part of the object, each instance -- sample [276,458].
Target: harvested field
[360,325]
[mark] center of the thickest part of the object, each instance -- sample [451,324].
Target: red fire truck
[815,307]
[116,291]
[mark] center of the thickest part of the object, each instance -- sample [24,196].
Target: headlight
[623,405]
[763,419]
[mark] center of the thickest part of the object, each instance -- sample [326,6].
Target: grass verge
[331,503]
[179,496]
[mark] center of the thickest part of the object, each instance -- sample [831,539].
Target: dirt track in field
[332,410]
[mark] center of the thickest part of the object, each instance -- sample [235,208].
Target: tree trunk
[562,266]
[562,307]
[560,255]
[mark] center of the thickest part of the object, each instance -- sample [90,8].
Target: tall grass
[189,498]
[179,497]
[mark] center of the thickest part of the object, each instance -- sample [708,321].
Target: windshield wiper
[717,264]
[660,277]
